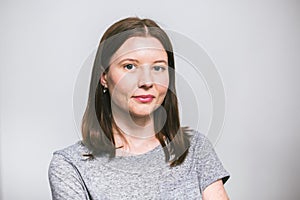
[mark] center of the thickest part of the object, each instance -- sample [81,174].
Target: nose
[145,78]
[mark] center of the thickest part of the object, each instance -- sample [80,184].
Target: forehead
[140,46]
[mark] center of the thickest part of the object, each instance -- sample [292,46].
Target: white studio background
[254,44]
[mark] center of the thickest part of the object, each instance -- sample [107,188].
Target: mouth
[144,98]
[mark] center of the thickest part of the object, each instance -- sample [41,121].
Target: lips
[144,98]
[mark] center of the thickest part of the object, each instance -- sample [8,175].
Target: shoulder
[64,174]
[72,153]
[201,148]
[199,141]
[67,159]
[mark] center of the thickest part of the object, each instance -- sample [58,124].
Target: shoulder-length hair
[98,123]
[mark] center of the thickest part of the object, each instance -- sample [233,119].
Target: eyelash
[156,68]
[160,68]
[125,66]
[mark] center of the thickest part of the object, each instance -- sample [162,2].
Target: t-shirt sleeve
[208,165]
[65,180]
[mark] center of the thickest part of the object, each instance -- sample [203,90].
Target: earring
[104,90]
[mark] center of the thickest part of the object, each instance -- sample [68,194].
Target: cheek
[120,84]
[162,91]
[162,84]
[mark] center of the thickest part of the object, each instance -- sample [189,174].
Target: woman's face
[138,76]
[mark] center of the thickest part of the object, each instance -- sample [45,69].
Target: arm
[65,180]
[215,191]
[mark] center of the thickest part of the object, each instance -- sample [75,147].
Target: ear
[103,79]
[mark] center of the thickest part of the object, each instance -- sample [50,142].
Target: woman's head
[137,78]
[135,54]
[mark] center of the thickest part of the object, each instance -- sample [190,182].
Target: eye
[129,66]
[159,68]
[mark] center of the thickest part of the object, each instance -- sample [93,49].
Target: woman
[133,146]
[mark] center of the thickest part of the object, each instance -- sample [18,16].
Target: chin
[141,113]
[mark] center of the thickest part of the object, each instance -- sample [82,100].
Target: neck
[138,133]
[138,127]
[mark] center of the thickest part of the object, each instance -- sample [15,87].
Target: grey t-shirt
[145,176]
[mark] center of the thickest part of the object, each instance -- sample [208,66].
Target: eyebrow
[136,61]
[128,59]
[161,61]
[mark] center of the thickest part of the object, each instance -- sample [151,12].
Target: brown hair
[98,123]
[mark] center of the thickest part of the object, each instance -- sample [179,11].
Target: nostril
[144,84]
